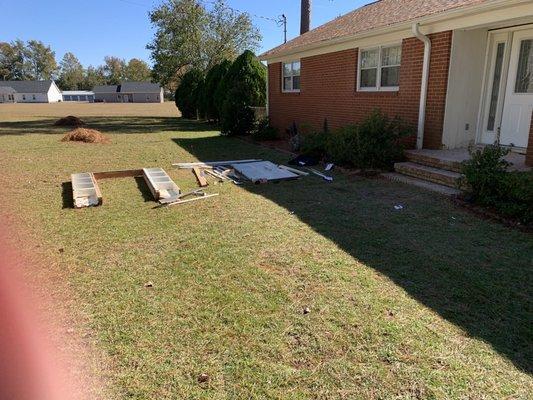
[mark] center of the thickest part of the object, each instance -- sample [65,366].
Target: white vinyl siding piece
[291,76]
[379,68]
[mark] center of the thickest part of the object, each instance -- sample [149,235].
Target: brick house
[459,70]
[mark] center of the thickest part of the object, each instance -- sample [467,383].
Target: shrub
[373,144]
[212,80]
[188,94]
[244,86]
[263,131]
[489,184]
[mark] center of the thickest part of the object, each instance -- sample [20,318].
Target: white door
[499,52]
[518,103]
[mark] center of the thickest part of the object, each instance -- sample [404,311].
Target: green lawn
[427,302]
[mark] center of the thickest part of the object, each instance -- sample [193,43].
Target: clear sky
[92,29]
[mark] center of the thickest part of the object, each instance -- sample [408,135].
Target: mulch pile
[69,121]
[85,135]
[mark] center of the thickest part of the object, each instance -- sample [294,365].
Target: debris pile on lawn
[85,135]
[86,192]
[71,120]
[241,171]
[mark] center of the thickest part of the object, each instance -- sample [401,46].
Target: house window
[291,76]
[23,97]
[33,97]
[379,68]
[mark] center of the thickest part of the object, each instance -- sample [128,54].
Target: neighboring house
[33,91]
[129,92]
[473,59]
[78,95]
[7,94]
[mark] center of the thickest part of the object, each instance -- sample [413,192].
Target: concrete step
[436,175]
[430,186]
[435,159]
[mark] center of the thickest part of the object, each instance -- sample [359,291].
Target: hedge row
[226,94]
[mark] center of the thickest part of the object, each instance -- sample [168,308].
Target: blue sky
[92,29]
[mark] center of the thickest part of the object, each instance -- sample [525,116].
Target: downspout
[424,86]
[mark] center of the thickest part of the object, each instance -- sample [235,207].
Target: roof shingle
[379,14]
[28,86]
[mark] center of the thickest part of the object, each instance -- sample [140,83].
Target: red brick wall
[529,153]
[329,90]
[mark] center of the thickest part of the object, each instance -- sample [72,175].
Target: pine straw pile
[85,135]
[71,120]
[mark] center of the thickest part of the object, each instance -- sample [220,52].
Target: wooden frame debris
[208,164]
[160,184]
[85,190]
[200,177]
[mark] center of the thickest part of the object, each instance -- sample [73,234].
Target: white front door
[518,103]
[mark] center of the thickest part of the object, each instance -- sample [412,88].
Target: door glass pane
[498,64]
[524,75]
[390,76]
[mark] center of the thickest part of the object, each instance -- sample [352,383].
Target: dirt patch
[85,135]
[69,121]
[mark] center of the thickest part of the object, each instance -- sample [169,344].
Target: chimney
[305,21]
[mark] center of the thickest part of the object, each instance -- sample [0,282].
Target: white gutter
[424,86]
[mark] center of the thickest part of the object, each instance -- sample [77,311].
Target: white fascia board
[463,18]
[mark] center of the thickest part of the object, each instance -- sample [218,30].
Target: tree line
[33,60]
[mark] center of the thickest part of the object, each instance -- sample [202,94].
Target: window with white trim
[291,76]
[379,68]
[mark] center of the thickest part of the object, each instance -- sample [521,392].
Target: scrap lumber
[162,187]
[130,173]
[296,171]
[179,201]
[200,177]
[317,173]
[85,190]
[208,164]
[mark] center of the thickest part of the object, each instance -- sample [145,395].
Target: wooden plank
[130,173]
[191,200]
[207,164]
[199,177]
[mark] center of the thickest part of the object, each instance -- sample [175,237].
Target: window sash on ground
[379,68]
[291,76]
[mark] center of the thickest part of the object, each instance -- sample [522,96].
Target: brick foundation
[329,90]
[529,152]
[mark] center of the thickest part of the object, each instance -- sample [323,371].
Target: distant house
[30,92]
[78,95]
[129,92]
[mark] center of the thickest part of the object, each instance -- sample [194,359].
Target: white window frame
[378,87]
[292,77]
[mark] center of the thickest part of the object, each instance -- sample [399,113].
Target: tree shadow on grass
[144,189]
[112,125]
[473,273]
[66,195]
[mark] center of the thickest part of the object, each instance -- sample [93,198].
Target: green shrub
[375,143]
[489,184]
[263,131]
[243,87]
[212,81]
[189,93]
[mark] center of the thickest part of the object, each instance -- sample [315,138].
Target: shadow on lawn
[475,275]
[118,125]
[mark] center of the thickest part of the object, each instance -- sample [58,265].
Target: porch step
[436,159]
[436,175]
[430,186]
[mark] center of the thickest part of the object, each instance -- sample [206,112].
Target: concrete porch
[440,170]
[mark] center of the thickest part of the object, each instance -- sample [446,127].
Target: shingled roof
[28,86]
[380,14]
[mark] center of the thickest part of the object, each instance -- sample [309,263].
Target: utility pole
[283,21]
[305,21]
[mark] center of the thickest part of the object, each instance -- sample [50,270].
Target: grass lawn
[426,302]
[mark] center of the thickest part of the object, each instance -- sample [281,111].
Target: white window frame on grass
[291,74]
[379,67]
